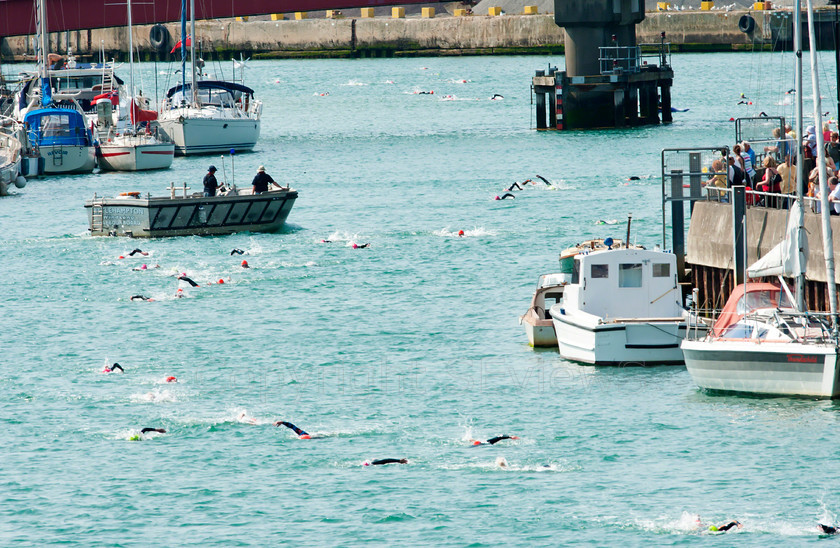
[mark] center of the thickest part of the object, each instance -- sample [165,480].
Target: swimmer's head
[221,280]
[365,463]
[120,257]
[460,233]
[245,264]
[476,442]
[355,246]
[144,267]
[171,379]
[135,437]
[501,462]
[305,437]
[497,198]
[403,461]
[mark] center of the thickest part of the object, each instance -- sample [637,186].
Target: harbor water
[408,348]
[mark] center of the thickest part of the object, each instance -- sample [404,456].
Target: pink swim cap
[144,267]
[355,246]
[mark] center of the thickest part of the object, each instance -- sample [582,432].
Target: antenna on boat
[224,169]
[627,241]
[232,167]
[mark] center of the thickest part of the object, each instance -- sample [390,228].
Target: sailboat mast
[183,48]
[41,31]
[131,114]
[192,52]
[800,167]
[828,247]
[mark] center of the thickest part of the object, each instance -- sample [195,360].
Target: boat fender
[159,38]
[746,24]
[135,194]
[20,181]
[181,119]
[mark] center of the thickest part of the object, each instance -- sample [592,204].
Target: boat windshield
[762,299]
[748,298]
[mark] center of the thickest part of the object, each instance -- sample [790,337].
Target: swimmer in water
[493,441]
[360,246]
[517,185]
[136,251]
[425,93]
[727,527]
[380,462]
[826,529]
[501,462]
[244,264]
[237,252]
[141,298]
[326,241]
[183,277]
[113,368]
[546,181]
[497,96]
[158,430]
[505,196]
[302,434]
[461,233]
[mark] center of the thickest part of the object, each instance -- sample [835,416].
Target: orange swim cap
[171,379]
[476,443]
[120,257]
[244,263]
[306,437]
[460,233]
[221,281]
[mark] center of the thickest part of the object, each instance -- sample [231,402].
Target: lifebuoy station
[610,80]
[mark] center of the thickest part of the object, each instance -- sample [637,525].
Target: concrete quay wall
[442,35]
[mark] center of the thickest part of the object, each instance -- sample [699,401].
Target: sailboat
[765,341]
[129,148]
[208,116]
[55,123]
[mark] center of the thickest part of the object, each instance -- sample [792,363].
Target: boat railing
[812,327]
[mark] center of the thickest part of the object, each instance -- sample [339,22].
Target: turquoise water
[408,348]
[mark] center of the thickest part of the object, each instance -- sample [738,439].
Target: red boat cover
[139,115]
[758,295]
[112,95]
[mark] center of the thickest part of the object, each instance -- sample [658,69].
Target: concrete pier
[443,35]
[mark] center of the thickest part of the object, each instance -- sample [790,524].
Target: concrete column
[665,92]
[540,109]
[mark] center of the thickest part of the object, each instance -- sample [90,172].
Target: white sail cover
[790,256]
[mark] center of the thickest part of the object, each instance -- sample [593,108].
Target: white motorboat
[537,321]
[128,148]
[765,341]
[622,307]
[208,116]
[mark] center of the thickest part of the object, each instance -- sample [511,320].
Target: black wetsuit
[189,281]
[158,430]
[362,246]
[497,439]
[136,251]
[139,298]
[827,529]
[292,427]
[117,366]
[388,461]
[543,179]
[514,185]
[498,96]
[728,526]
[507,195]
[237,252]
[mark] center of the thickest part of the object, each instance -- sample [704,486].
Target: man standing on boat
[210,183]
[261,180]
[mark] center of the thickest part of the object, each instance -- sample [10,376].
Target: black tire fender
[746,24]
[159,38]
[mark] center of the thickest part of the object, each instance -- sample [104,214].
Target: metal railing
[620,59]
[757,198]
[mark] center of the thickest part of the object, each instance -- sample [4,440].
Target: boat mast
[131,112]
[828,247]
[192,52]
[183,48]
[800,168]
[41,31]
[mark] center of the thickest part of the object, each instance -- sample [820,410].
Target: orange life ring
[135,194]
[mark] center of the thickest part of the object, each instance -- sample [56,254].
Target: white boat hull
[783,368]
[68,159]
[635,343]
[210,135]
[135,158]
[540,335]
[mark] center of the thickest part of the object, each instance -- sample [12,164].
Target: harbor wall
[709,250]
[443,35]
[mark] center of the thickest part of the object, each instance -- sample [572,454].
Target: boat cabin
[210,92]
[57,127]
[625,283]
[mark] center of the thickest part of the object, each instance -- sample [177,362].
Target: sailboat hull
[783,368]
[199,135]
[135,157]
[68,158]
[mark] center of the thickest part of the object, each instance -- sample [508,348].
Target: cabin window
[630,275]
[576,272]
[661,270]
[600,271]
[55,125]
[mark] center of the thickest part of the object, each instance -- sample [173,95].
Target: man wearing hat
[261,180]
[210,183]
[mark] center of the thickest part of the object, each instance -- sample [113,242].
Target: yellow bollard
[759,6]
[494,11]
[459,12]
[706,5]
[397,13]
[367,13]
[427,13]
[277,16]
[242,19]
[663,6]
[300,15]
[530,10]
